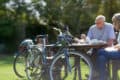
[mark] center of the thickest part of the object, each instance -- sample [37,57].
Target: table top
[78,45]
[88,45]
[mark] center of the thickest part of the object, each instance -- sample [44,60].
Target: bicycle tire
[58,69]
[19,65]
[33,65]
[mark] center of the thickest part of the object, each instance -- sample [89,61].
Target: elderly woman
[110,53]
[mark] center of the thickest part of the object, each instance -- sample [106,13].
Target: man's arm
[112,36]
[89,34]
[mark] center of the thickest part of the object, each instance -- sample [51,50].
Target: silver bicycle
[37,61]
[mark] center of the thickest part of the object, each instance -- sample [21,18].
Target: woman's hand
[117,46]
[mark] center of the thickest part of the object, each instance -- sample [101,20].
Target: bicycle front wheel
[81,67]
[19,65]
[34,65]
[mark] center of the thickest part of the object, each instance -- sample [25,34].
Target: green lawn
[6,68]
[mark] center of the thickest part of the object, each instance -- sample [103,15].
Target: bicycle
[20,58]
[69,64]
[37,62]
[66,62]
[26,47]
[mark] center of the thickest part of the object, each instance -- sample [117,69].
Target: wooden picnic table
[78,45]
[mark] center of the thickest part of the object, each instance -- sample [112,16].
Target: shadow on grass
[6,59]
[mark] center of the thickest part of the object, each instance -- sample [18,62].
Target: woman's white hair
[116,17]
[116,20]
[100,17]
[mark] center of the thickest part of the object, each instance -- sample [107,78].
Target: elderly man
[102,30]
[110,53]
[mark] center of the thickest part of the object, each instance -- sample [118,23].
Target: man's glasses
[99,23]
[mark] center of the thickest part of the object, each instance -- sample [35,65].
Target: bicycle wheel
[19,65]
[81,67]
[34,65]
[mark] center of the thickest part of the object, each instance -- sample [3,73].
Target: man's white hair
[100,17]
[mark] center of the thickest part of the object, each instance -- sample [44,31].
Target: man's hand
[76,40]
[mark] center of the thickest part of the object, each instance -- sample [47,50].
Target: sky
[28,1]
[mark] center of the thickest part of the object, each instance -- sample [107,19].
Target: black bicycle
[69,64]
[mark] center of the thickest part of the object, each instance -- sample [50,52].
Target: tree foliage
[23,18]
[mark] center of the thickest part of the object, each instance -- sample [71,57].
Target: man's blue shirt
[106,33]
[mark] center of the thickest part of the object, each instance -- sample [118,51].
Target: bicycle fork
[66,53]
[44,56]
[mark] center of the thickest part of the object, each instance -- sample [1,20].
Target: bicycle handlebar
[64,37]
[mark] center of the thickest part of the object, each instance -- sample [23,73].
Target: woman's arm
[117,46]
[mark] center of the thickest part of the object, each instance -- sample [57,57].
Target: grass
[6,68]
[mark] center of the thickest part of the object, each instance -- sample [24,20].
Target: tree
[79,15]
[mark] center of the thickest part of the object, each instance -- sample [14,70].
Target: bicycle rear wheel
[34,65]
[19,65]
[81,67]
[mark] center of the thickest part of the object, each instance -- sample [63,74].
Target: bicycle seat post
[44,42]
[43,39]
